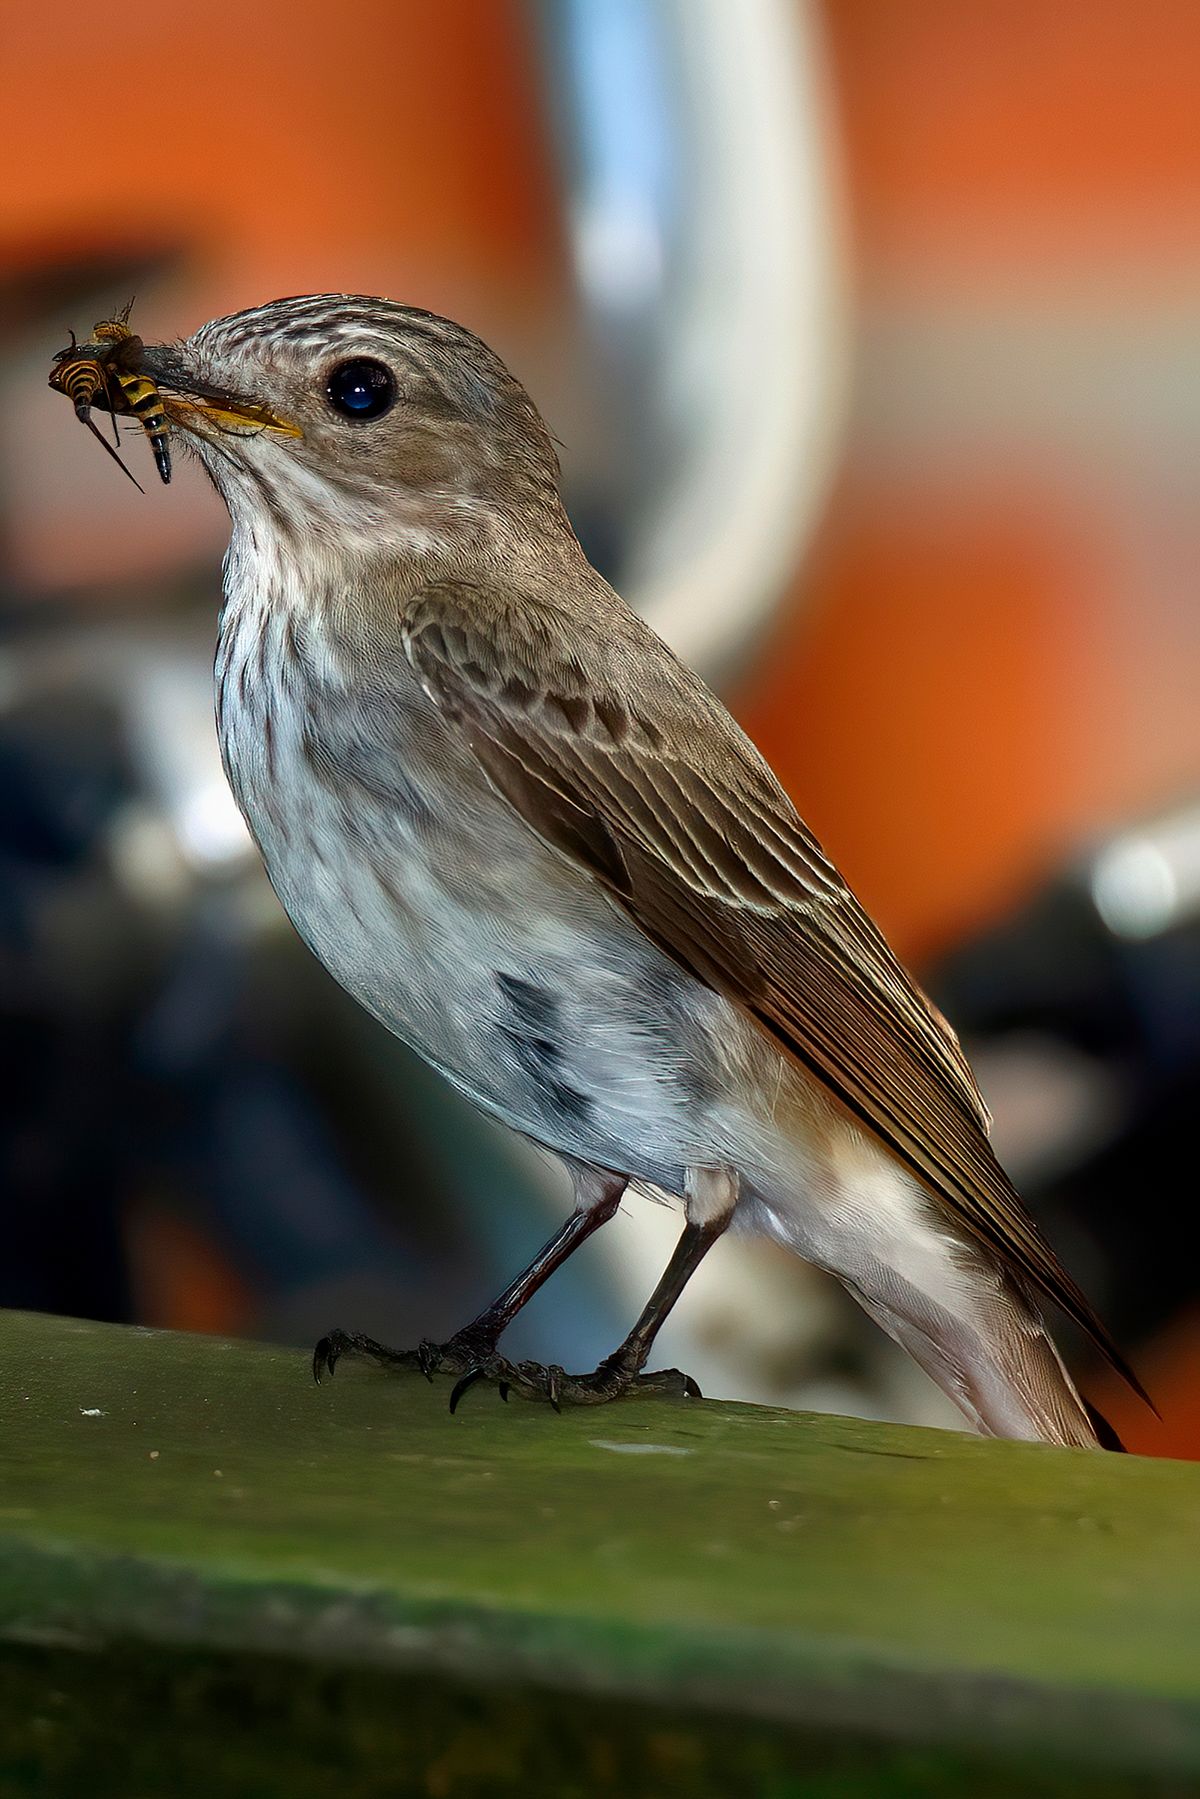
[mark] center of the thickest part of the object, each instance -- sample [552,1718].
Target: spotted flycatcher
[535,846]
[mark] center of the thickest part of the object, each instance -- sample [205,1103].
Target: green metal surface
[835,1597]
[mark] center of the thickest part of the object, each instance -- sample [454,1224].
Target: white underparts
[710,1195]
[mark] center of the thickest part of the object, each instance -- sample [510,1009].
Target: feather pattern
[635,770]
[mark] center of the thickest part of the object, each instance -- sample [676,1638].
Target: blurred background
[870,336]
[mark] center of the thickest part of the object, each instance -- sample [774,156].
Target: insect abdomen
[81,382]
[145,403]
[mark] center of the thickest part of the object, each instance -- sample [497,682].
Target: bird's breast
[363,807]
[434,905]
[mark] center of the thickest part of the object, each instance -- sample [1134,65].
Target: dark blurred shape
[61,1080]
[1105,961]
[42,277]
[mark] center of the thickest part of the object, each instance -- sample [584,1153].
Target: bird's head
[336,415]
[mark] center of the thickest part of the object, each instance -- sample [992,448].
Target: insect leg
[101,439]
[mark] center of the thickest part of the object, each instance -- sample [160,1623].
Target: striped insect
[106,370]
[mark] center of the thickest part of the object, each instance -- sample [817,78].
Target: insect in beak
[108,371]
[117,371]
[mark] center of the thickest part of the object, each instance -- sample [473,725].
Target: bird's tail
[1106,1436]
[972,1325]
[1000,1367]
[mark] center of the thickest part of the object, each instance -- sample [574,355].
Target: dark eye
[361,388]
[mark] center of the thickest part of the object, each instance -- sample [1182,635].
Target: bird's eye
[361,388]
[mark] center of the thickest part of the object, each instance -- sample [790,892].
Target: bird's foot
[611,1380]
[467,1349]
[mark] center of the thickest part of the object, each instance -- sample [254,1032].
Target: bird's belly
[502,965]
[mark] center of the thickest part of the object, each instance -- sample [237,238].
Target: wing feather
[613,751]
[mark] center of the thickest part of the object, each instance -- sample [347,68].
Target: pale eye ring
[361,389]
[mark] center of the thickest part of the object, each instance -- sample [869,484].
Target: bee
[106,371]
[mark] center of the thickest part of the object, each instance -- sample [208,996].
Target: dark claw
[460,1387]
[325,1359]
[615,1376]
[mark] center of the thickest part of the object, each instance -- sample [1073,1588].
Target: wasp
[106,370]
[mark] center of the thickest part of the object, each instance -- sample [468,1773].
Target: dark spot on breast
[542,1059]
[572,1107]
[535,1054]
[537,1010]
[540,1054]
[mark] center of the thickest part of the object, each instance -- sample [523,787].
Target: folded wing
[619,756]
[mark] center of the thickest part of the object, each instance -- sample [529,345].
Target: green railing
[218,1578]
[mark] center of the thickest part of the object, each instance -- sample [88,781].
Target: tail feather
[970,1323]
[998,1364]
[1106,1436]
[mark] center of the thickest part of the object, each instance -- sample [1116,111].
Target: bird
[536,847]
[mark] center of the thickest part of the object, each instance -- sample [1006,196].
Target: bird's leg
[711,1196]
[597,1196]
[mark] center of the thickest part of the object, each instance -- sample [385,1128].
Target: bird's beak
[197,405]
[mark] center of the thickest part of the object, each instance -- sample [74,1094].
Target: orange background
[976,670]
[988,669]
[991,651]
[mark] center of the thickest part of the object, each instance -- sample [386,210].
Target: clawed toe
[551,1384]
[502,1374]
[332,1348]
[327,1353]
[671,1382]
[463,1352]
[474,1359]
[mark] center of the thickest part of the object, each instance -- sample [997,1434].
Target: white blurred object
[1147,880]
[755,354]
[1051,1103]
[157,679]
[171,730]
[704,215]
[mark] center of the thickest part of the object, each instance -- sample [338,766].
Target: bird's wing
[618,755]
